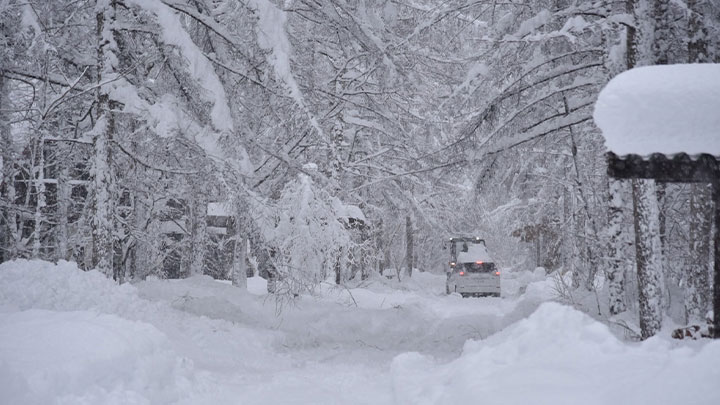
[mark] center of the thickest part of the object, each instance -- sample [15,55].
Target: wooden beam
[716,278]
[681,168]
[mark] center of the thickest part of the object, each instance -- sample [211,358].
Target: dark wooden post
[716,278]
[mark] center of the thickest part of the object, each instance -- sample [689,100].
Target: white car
[472,271]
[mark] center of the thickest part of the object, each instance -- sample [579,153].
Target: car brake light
[479,262]
[462,273]
[497,273]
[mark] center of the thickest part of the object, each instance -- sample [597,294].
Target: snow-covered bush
[307,237]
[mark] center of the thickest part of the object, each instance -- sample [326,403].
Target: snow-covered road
[73,337]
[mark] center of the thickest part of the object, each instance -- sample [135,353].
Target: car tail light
[497,273]
[479,262]
[462,273]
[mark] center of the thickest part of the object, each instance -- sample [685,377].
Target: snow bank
[63,340]
[662,109]
[257,285]
[75,337]
[517,282]
[35,284]
[84,357]
[561,356]
[205,296]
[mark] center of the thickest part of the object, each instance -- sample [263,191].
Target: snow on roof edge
[668,109]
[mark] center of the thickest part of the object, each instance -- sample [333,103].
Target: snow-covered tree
[306,236]
[648,256]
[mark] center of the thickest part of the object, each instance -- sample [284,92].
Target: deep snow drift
[73,337]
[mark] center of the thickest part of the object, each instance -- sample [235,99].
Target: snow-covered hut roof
[219,209]
[666,109]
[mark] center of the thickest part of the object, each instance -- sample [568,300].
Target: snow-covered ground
[73,337]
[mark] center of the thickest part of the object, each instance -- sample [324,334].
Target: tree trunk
[386,254]
[661,37]
[647,245]
[38,165]
[697,32]
[579,245]
[639,37]
[616,267]
[567,245]
[379,237]
[631,39]
[239,268]
[40,202]
[661,193]
[9,230]
[338,268]
[142,251]
[409,245]
[199,234]
[102,181]
[697,296]
[102,221]
[63,210]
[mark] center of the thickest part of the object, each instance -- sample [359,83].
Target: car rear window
[479,267]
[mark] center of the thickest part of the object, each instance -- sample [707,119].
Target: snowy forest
[250,201]
[314,139]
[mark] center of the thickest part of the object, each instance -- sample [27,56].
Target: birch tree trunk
[102,182]
[647,245]
[39,169]
[616,267]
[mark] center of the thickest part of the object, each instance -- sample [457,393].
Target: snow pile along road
[83,357]
[74,337]
[561,356]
